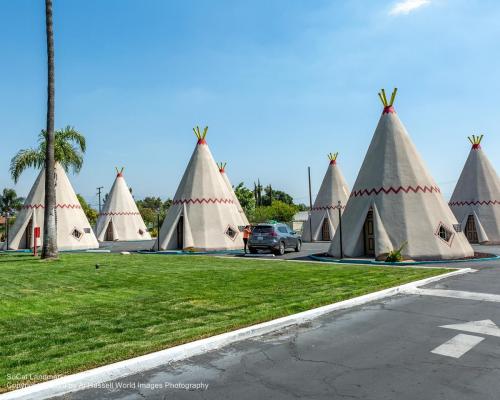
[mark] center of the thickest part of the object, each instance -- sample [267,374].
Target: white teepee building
[396,203]
[222,169]
[73,228]
[120,219]
[324,216]
[203,215]
[476,198]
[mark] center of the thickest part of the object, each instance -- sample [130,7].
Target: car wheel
[299,246]
[281,249]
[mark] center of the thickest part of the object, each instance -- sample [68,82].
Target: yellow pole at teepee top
[383,97]
[393,96]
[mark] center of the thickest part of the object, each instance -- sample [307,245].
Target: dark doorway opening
[369,234]
[109,232]
[470,230]
[325,230]
[180,233]
[29,235]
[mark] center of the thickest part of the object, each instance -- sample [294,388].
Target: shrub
[395,255]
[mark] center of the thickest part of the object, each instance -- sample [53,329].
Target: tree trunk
[49,249]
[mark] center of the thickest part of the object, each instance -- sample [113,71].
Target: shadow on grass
[8,258]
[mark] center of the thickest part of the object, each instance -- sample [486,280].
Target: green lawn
[67,316]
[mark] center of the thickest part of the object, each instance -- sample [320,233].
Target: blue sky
[280,83]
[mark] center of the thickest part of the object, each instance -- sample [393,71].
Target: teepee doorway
[369,234]
[325,230]
[470,230]
[180,233]
[29,234]
[109,232]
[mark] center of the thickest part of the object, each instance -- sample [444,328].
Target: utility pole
[99,195]
[158,227]
[7,230]
[310,204]
[340,230]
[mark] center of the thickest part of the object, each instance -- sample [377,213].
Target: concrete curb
[310,260]
[402,263]
[85,379]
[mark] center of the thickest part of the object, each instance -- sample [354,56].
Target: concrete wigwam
[120,219]
[476,198]
[222,169]
[396,203]
[203,215]
[324,216]
[73,228]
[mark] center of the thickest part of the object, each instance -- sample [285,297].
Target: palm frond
[69,147]
[70,134]
[24,159]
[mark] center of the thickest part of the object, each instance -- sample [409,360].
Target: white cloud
[407,6]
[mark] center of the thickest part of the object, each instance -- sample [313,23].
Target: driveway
[306,250]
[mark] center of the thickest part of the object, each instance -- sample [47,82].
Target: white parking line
[456,294]
[459,345]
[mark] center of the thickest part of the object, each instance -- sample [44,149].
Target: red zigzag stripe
[37,206]
[327,208]
[475,203]
[389,190]
[203,201]
[121,213]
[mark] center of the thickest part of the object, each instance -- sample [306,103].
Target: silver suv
[274,237]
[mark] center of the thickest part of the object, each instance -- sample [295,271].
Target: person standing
[247,232]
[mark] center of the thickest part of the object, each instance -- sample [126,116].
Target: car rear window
[263,229]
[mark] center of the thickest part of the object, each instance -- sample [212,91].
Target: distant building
[299,220]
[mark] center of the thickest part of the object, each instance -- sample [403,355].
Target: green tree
[302,207]
[149,208]
[90,213]
[278,211]
[9,202]
[246,198]
[69,148]
[282,196]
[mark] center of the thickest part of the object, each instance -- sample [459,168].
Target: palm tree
[69,147]
[9,202]
[49,248]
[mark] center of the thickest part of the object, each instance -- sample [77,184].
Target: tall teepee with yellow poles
[476,198]
[396,203]
[203,215]
[333,194]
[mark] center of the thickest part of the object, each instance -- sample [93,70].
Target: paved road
[383,350]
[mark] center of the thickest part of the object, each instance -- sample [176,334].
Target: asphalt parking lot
[307,249]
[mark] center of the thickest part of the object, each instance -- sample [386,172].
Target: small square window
[86,230]
[77,234]
[231,232]
[445,234]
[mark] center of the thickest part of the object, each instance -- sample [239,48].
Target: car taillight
[274,234]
